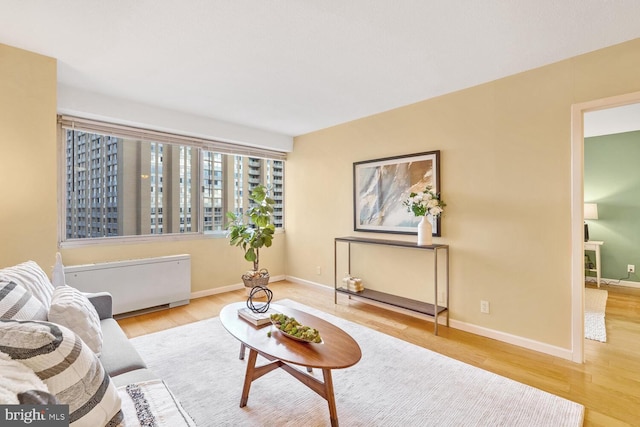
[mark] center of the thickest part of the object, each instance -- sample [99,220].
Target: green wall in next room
[612,180]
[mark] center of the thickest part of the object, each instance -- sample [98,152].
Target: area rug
[595,303]
[394,384]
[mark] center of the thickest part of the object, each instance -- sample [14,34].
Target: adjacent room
[610,184]
[401,209]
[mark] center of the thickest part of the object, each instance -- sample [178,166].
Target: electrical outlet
[484,307]
[631,268]
[318,270]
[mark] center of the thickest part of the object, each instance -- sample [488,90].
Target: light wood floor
[608,384]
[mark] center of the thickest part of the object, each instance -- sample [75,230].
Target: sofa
[59,345]
[119,358]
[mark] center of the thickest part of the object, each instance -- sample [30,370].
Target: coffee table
[338,350]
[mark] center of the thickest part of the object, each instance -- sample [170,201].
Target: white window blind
[123,131]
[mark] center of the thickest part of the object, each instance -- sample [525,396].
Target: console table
[432,310]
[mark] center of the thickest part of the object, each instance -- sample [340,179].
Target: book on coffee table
[256,319]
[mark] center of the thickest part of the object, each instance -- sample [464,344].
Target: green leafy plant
[258,232]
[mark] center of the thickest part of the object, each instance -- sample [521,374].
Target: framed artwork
[381,186]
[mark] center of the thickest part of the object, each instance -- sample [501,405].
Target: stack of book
[355,285]
[256,319]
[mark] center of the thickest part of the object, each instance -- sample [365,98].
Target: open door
[577,215]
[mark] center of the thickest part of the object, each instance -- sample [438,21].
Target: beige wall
[505,171]
[28,215]
[28,189]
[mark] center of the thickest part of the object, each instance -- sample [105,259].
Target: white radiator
[136,284]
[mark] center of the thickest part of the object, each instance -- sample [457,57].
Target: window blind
[124,131]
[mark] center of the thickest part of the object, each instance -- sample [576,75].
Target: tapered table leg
[241,355]
[331,400]
[248,377]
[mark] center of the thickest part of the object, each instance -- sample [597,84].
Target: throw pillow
[37,397]
[71,371]
[30,276]
[19,303]
[71,308]
[16,379]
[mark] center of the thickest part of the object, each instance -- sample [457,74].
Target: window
[225,181]
[122,182]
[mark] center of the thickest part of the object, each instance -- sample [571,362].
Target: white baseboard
[513,339]
[613,282]
[308,282]
[235,287]
[463,326]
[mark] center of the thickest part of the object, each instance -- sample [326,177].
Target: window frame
[200,145]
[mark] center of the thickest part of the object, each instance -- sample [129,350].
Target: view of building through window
[228,182]
[123,187]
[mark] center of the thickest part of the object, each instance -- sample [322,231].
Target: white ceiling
[295,66]
[612,120]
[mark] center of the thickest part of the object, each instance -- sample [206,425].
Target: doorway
[577,205]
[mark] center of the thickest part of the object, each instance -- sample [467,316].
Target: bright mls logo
[34,415]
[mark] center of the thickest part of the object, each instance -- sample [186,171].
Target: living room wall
[28,186]
[505,170]
[612,180]
[28,216]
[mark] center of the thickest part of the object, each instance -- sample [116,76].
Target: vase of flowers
[427,205]
[425,231]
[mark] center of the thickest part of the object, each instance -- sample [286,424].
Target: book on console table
[256,319]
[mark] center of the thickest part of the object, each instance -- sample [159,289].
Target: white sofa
[106,381]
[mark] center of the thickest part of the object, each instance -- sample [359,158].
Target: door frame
[577,214]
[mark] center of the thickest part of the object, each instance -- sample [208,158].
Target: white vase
[425,232]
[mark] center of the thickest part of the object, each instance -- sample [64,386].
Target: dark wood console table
[432,310]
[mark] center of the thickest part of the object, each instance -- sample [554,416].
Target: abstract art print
[382,185]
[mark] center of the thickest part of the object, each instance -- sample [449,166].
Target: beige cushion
[30,276]
[19,303]
[16,378]
[69,368]
[70,308]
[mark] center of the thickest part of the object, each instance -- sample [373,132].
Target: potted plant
[253,235]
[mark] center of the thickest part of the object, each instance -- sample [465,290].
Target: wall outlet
[318,270]
[484,307]
[631,268]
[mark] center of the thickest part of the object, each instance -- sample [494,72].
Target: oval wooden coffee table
[338,350]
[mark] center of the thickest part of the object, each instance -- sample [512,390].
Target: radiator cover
[136,284]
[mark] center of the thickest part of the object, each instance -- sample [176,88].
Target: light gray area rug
[595,304]
[394,384]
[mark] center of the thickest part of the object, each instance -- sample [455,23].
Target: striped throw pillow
[30,276]
[15,378]
[19,303]
[69,368]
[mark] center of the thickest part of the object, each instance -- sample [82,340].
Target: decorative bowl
[277,325]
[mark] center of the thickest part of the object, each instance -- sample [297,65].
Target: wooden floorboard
[608,384]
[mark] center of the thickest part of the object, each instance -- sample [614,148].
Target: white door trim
[577,205]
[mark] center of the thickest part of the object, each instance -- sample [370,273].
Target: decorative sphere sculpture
[262,307]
